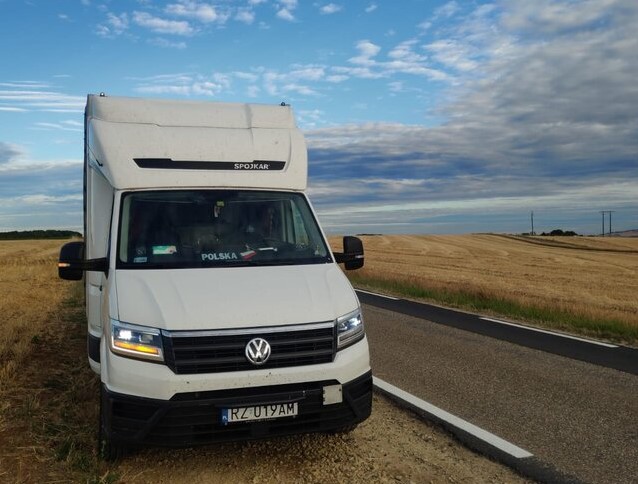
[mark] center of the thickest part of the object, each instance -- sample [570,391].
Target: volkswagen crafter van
[216,310]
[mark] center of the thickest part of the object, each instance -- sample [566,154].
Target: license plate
[258,412]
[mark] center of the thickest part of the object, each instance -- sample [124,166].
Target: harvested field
[49,411]
[590,278]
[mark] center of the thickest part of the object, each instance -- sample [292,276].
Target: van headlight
[136,341]
[349,329]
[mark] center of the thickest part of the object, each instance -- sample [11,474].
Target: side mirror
[352,255]
[72,265]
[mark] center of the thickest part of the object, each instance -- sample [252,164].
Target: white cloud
[64,126]
[330,9]
[207,88]
[367,50]
[115,25]
[300,89]
[289,4]
[200,11]
[165,89]
[404,51]
[552,17]
[371,8]
[336,78]
[184,84]
[161,42]
[245,15]
[38,100]
[425,25]
[310,73]
[41,199]
[285,9]
[453,54]
[447,10]
[162,26]
[246,76]
[403,59]
[358,72]
[285,14]
[253,91]
[396,86]
[25,84]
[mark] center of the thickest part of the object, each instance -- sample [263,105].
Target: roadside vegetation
[583,285]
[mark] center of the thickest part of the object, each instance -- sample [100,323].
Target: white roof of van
[203,114]
[144,143]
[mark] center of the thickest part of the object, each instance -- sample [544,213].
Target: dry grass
[48,403]
[30,290]
[592,279]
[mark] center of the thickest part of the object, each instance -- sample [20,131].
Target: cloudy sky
[421,116]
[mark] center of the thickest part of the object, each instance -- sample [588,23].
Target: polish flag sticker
[248,254]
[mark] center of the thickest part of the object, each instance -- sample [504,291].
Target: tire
[107,449]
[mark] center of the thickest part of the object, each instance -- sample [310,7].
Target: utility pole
[603,212]
[610,212]
[532,222]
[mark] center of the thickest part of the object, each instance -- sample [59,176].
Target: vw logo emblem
[258,351]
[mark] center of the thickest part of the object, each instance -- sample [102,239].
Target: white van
[216,310]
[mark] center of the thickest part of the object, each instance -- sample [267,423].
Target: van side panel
[99,208]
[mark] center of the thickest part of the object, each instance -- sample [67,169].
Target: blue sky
[421,116]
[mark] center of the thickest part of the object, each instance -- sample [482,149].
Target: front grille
[221,351]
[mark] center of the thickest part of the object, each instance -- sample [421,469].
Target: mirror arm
[341,257]
[98,265]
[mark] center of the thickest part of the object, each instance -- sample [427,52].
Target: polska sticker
[220,256]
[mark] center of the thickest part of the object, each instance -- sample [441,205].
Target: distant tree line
[561,233]
[39,234]
[556,233]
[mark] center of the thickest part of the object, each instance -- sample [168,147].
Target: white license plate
[258,412]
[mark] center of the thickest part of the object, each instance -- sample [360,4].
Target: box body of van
[216,310]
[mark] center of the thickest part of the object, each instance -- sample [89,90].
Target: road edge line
[452,420]
[552,333]
[475,438]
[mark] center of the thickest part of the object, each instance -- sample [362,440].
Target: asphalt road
[579,417]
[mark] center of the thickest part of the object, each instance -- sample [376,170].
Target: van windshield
[202,228]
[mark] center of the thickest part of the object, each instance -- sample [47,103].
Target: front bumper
[195,418]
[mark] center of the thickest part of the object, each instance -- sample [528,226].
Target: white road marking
[379,295]
[453,420]
[591,341]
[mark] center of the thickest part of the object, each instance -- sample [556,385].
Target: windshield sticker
[220,256]
[249,254]
[139,259]
[164,249]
